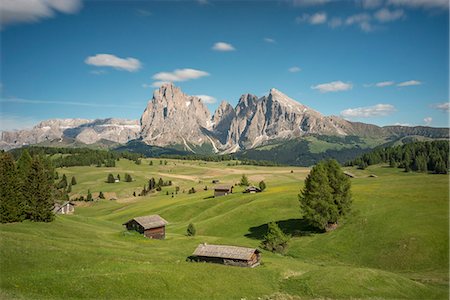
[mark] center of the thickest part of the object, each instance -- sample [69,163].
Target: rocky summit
[174,119]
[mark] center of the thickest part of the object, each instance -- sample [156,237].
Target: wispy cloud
[409,83]
[362,20]
[73,103]
[428,4]
[335,22]
[306,3]
[26,11]
[315,19]
[269,40]
[207,99]
[371,4]
[180,75]
[385,15]
[129,64]
[143,12]
[444,106]
[334,86]
[294,69]
[378,110]
[428,121]
[403,124]
[223,47]
[384,83]
[14,122]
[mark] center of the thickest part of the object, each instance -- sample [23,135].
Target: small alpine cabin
[67,208]
[223,190]
[152,227]
[227,255]
[252,189]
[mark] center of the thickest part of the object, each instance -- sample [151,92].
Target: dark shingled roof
[148,222]
[223,188]
[230,252]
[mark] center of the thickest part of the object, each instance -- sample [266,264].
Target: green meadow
[394,244]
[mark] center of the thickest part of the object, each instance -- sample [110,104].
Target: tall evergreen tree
[244,180]
[340,185]
[275,239]
[110,178]
[24,164]
[11,199]
[262,185]
[73,181]
[191,231]
[38,193]
[316,199]
[89,196]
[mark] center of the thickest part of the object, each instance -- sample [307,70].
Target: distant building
[227,255]
[67,208]
[252,189]
[152,227]
[223,190]
[351,175]
[116,180]
[215,181]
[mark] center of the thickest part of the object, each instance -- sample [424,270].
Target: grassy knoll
[394,245]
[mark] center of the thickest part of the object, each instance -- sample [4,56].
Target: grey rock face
[172,117]
[83,130]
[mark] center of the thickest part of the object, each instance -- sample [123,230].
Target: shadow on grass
[209,197]
[293,227]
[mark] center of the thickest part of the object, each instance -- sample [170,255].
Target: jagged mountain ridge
[176,120]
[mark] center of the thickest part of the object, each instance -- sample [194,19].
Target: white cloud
[378,110]
[385,15]
[207,99]
[428,121]
[60,102]
[363,21]
[335,22]
[334,86]
[371,4]
[178,75]
[306,3]
[442,4]
[384,83]
[29,11]
[222,46]
[315,19]
[445,106]
[409,83]
[294,69]
[269,40]
[203,2]
[403,124]
[13,122]
[129,64]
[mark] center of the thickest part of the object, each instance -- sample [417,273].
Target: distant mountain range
[175,120]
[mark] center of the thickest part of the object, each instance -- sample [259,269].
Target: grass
[394,245]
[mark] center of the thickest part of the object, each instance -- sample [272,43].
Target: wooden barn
[152,227]
[252,189]
[67,208]
[223,190]
[227,255]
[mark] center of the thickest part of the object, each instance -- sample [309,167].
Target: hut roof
[223,188]
[231,252]
[149,222]
[253,188]
[349,174]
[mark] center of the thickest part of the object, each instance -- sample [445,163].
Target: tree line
[429,156]
[27,190]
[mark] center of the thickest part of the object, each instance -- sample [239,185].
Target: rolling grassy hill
[393,245]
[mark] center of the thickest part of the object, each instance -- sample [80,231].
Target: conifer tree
[101,196]
[275,240]
[340,187]
[191,231]
[73,181]
[262,185]
[11,199]
[89,196]
[69,188]
[244,180]
[110,178]
[38,194]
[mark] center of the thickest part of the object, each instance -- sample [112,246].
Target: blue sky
[376,61]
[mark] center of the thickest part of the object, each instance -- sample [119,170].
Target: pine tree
[262,185]
[340,185]
[89,196]
[11,199]
[160,182]
[118,177]
[73,181]
[110,178]
[151,163]
[63,182]
[38,195]
[191,231]
[244,180]
[275,240]
[69,188]
[24,164]
[316,199]
[101,196]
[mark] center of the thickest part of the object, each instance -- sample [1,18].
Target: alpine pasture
[394,244]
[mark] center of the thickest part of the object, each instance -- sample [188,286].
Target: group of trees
[245,182]
[326,196]
[27,191]
[417,156]
[154,185]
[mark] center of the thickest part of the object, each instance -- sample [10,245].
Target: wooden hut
[228,255]
[252,189]
[152,227]
[67,208]
[351,175]
[223,190]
